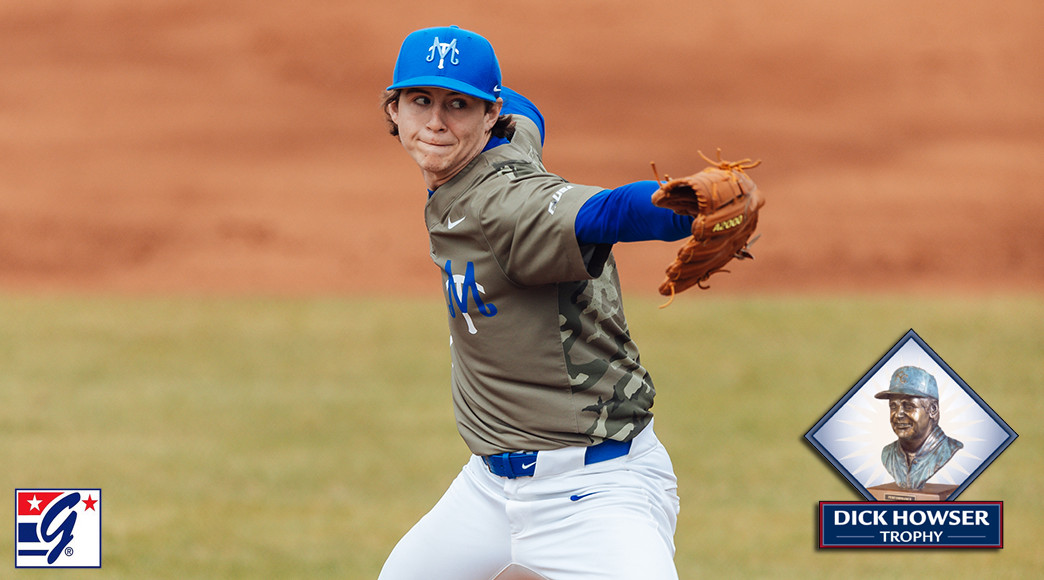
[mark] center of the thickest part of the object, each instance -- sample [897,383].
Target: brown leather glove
[725,203]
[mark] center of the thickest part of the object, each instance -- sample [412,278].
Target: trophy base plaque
[930,492]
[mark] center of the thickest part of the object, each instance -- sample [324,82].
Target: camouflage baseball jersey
[541,354]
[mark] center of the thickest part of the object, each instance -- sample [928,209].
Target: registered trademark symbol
[68,551]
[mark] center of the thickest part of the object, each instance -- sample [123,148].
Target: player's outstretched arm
[627,214]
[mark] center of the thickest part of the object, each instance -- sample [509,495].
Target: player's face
[910,419]
[441,130]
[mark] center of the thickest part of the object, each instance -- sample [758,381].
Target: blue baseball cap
[911,382]
[450,58]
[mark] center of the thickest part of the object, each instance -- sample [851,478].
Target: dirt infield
[236,146]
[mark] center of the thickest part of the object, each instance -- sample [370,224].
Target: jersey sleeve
[627,214]
[531,234]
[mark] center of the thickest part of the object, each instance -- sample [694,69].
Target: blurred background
[235,146]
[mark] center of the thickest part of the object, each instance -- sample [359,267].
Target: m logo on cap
[443,49]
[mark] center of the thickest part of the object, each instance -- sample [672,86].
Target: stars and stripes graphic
[58,528]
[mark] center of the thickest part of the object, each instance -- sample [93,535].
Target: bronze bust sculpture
[921,448]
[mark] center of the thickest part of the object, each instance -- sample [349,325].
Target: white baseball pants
[569,521]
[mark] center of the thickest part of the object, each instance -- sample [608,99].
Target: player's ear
[493,113]
[392,108]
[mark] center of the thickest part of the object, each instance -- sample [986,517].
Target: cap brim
[443,83]
[891,394]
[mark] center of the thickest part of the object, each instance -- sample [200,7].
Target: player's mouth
[436,145]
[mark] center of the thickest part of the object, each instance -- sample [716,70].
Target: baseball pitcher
[567,479]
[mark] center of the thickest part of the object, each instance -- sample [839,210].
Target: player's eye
[458,104]
[422,100]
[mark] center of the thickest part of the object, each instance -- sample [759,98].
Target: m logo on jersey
[461,291]
[58,528]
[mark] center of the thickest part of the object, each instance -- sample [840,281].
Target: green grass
[274,438]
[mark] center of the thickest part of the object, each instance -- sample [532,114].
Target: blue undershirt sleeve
[626,214]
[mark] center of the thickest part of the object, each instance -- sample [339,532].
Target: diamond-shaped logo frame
[852,433]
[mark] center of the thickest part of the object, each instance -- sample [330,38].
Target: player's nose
[435,121]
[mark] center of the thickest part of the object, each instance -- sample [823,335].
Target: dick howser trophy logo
[911,435]
[58,528]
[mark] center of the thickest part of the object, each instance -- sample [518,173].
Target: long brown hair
[504,127]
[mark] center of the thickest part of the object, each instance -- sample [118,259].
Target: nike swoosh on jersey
[452,224]
[578,497]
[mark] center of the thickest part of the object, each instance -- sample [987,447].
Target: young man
[567,478]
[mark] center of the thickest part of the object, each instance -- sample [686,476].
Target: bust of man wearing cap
[922,448]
